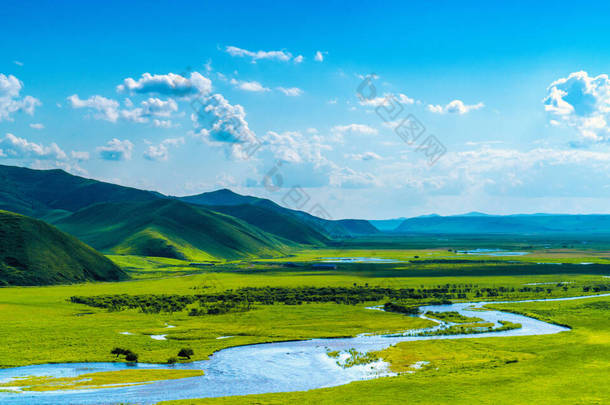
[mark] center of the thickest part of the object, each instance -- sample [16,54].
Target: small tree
[186,352]
[131,357]
[172,360]
[117,351]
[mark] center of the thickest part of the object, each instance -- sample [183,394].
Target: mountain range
[222,224]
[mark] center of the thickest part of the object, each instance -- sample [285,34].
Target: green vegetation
[51,194]
[105,379]
[401,309]
[130,356]
[35,253]
[355,358]
[168,228]
[565,368]
[186,353]
[452,316]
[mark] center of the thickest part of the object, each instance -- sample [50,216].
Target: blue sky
[516,95]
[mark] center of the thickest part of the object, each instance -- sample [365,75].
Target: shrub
[131,357]
[172,360]
[118,351]
[186,352]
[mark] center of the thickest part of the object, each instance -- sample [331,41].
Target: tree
[118,351]
[186,352]
[131,357]
[172,360]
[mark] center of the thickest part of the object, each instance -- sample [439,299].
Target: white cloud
[221,123]
[37,126]
[161,152]
[116,150]
[16,62]
[260,55]
[291,91]
[454,107]
[169,84]
[109,110]
[106,109]
[319,57]
[253,86]
[354,129]
[298,59]
[349,178]
[582,102]
[79,155]
[363,156]
[13,147]
[293,147]
[386,100]
[10,99]
[162,123]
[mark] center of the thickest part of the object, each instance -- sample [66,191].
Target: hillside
[276,223]
[330,228]
[35,253]
[50,194]
[169,228]
[509,224]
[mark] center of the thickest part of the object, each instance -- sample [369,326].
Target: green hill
[50,194]
[276,223]
[326,227]
[169,228]
[33,252]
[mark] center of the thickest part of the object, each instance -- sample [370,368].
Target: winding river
[261,368]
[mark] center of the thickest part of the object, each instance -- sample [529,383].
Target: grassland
[40,325]
[566,368]
[104,379]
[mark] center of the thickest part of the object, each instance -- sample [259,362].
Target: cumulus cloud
[291,91]
[253,86]
[110,110]
[282,56]
[161,152]
[13,147]
[116,150]
[104,108]
[221,123]
[11,100]
[169,84]
[582,102]
[37,126]
[319,56]
[454,107]
[294,147]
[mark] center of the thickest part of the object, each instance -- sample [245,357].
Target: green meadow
[41,325]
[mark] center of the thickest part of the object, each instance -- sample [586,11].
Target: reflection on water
[491,252]
[358,260]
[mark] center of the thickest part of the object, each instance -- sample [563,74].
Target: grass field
[41,325]
[569,368]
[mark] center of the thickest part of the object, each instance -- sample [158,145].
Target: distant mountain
[169,228]
[330,228]
[510,224]
[33,252]
[50,194]
[386,225]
